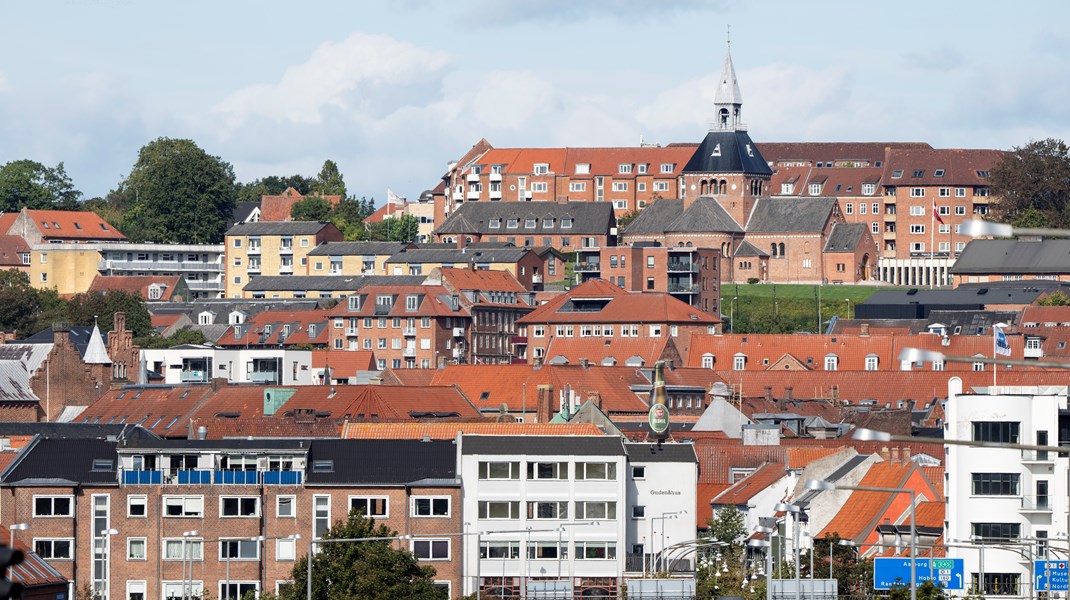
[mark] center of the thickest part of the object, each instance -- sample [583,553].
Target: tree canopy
[371,570]
[178,193]
[272,185]
[329,182]
[29,184]
[1032,184]
[311,208]
[100,307]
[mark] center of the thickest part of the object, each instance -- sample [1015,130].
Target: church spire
[728,100]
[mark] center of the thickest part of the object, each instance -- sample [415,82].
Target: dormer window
[716,150]
[495,223]
[668,167]
[624,168]
[787,188]
[868,189]
[566,223]
[583,168]
[815,189]
[739,362]
[311,330]
[530,223]
[354,303]
[548,223]
[872,362]
[832,362]
[541,168]
[512,224]
[642,168]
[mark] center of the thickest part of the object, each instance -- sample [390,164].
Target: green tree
[1056,298]
[100,307]
[925,591]
[20,303]
[178,193]
[272,185]
[727,525]
[30,184]
[329,182]
[312,208]
[178,338]
[402,229]
[368,570]
[1034,176]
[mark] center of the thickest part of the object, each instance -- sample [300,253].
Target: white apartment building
[662,497]
[191,363]
[202,265]
[526,497]
[1005,505]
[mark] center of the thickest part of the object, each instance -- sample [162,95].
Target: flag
[936,213]
[392,198]
[1002,347]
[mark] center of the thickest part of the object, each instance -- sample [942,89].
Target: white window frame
[917,192]
[539,186]
[620,186]
[661,186]
[144,549]
[256,511]
[51,556]
[242,542]
[386,505]
[431,500]
[293,507]
[52,498]
[133,500]
[196,546]
[431,543]
[577,186]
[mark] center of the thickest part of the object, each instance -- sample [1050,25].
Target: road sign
[946,572]
[1051,576]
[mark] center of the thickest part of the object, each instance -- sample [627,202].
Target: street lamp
[817,485]
[17,527]
[261,552]
[187,591]
[653,556]
[848,308]
[797,514]
[768,559]
[106,550]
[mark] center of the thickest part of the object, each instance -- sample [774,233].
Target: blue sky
[394,89]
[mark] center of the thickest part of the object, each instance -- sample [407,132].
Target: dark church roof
[790,215]
[748,249]
[728,152]
[704,215]
[656,217]
[845,237]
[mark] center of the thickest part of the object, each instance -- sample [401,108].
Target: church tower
[727,165]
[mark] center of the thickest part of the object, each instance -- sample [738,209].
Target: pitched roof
[458,255]
[163,410]
[381,462]
[69,224]
[325,283]
[33,571]
[11,247]
[606,351]
[137,284]
[835,153]
[790,215]
[964,167]
[845,237]
[252,426]
[382,402]
[598,301]
[862,509]
[281,327]
[740,493]
[746,248]
[727,152]
[1014,257]
[279,207]
[392,301]
[358,248]
[482,280]
[63,462]
[588,218]
[705,214]
[278,228]
[656,217]
[7,219]
[448,431]
[343,363]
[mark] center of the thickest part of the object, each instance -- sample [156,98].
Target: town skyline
[412,86]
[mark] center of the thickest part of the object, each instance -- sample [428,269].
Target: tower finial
[728,35]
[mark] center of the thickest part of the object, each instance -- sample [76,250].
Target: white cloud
[361,75]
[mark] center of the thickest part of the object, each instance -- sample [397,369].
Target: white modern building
[1006,507]
[191,363]
[662,497]
[201,265]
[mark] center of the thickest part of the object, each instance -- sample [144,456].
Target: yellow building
[67,268]
[272,248]
[424,212]
[319,286]
[352,258]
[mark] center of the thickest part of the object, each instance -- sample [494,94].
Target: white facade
[201,265]
[508,481]
[200,364]
[662,494]
[1010,497]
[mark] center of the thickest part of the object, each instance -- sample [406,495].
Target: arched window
[774,252]
[782,249]
[724,116]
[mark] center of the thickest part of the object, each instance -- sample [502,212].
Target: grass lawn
[782,308]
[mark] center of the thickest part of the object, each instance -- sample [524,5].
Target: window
[548,510]
[495,223]
[996,431]
[849,208]
[960,192]
[861,208]
[996,484]
[566,223]
[960,210]
[370,506]
[541,168]
[53,506]
[183,548]
[917,192]
[244,549]
[136,506]
[135,590]
[183,506]
[995,531]
[917,229]
[538,331]
[869,189]
[875,227]
[538,186]
[492,509]
[172,590]
[917,246]
[285,549]
[668,167]
[831,362]
[54,549]
[620,204]
[239,506]
[596,510]
[321,511]
[500,549]
[872,362]
[596,550]
[284,506]
[135,549]
[620,186]
[431,506]
[583,168]
[998,584]
[438,549]
[638,512]
[512,223]
[624,168]
[547,470]
[499,470]
[596,471]
[237,242]
[577,186]
[739,362]
[661,186]
[546,550]
[945,192]
[917,211]
[815,189]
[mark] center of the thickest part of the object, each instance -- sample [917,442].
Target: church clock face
[693,187]
[733,186]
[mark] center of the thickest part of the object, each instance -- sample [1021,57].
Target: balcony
[495,194]
[495,176]
[526,194]
[253,268]
[1037,457]
[409,332]
[587,267]
[518,339]
[408,352]
[159,266]
[458,197]
[472,195]
[253,249]
[194,376]
[265,377]
[682,288]
[286,249]
[458,332]
[1033,352]
[536,279]
[889,217]
[352,332]
[682,266]
[209,477]
[1035,504]
[286,269]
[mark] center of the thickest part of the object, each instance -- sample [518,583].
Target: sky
[393,90]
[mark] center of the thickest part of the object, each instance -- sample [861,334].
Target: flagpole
[994,366]
[932,245]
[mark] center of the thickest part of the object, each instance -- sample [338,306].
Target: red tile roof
[431,302]
[344,363]
[382,402]
[384,212]
[279,208]
[862,511]
[33,571]
[1058,316]
[445,431]
[299,322]
[482,280]
[73,225]
[960,166]
[597,349]
[163,411]
[137,285]
[831,152]
[218,428]
[11,249]
[622,307]
[6,221]
[801,457]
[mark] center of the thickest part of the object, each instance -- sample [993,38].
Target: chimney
[584,363]
[768,393]
[863,330]
[218,383]
[375,381]
[669,364]
[61,333]
[835,395]
[202,431]
[884,452]
[594,396]
[118,322]
[787,393]
[895,454]
[906,456]
[544,403]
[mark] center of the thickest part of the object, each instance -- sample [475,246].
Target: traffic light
[9,557]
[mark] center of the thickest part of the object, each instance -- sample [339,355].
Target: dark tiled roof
[242,211]
[66,460]
[644,453]
[390,462]
[870,152]
[326,283]
[278,228]
[72,431]
[746,248]
[589,218]
[704,215]
[790,215]
[845,237]
[542,445]
[458,255]
[656,217]
[358,248]
[1013,256]
[728,152]
[79,337]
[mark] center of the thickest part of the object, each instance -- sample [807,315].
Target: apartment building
[59,227]
[1010,503]
[192,363]
[687,273]
[565,226]
[352,258]
[530,266]
[271,248]
[318,286]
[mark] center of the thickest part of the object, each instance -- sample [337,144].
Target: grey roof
[970,322]
[672,453]
[655,218]
[98,431]
[589,218]
[969,296]
[1014,257]
[326,283]
[378,462]
[728,152]
[222,307]
[746,248]
[507,254]
[80,336]
[728,89]
[543,445]
[790,215]
[69,460]
[245,444]
[242,211]
[277,228]
[705,214]
[358,248]
[845,237]
[15,383]
[31,355]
